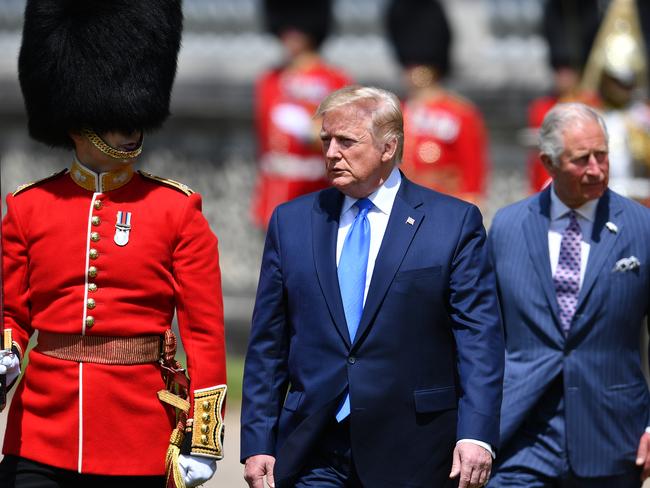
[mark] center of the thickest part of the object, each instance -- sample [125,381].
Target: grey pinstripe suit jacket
[607,404]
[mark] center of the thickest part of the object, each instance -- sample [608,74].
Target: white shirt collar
[382,198]
[559,209]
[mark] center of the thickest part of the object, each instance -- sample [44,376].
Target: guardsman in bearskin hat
[569,27]
[445,142]
[290,158]
[97,259]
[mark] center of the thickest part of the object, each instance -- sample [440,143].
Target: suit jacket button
[352,360]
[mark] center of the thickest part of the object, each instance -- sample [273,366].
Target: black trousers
[18,472]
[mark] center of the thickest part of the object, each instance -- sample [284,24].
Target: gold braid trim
[100,144]
[208,428]
[166,181]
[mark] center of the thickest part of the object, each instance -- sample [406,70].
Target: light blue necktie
[352,269]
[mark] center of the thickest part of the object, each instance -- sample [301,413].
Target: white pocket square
[626,264]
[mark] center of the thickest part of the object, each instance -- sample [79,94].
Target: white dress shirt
[586,214]
[383,200]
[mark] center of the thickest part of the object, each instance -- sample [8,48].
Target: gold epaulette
[24,187]
[167,182]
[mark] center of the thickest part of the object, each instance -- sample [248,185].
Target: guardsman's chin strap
[110,151]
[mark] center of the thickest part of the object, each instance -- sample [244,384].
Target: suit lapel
[325,224]
[602,242]
[396,241]
[535,229]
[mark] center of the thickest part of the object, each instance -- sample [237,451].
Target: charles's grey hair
[387,120]
[551,140]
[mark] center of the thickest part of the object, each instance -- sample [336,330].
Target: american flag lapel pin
[122,228]
[410,221]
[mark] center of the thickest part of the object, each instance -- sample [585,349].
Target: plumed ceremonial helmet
[570,27]
[108,65]
[313,17]
[420,32]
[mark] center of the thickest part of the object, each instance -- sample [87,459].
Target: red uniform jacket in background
[538,177]
[88,417]
[290,158]
[445,146]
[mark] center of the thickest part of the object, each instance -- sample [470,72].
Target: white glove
[9,365]
[196,470]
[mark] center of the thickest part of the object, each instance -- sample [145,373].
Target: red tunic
[291,161]
[89,417]
[538,177]
[445,146]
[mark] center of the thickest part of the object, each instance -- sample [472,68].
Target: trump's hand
[643,456]
[256,468]
[473,463]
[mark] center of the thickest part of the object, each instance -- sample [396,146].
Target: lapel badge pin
[611,226]
[410,221]
[122,228]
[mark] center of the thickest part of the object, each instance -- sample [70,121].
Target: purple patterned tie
[567,274]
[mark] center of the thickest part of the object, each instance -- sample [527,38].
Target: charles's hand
[473,463]
[643,456]
[256,468]
[9,365]
[196,470]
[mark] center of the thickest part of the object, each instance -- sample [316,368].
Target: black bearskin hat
[570,27]
[313,17]
[420,33]
[101,64]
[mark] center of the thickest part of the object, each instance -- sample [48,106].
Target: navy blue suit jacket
[606,396]
[426,364]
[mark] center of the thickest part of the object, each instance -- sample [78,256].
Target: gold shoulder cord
[166,181]
[100,144]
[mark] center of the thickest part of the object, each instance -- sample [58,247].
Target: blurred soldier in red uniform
[569,27]
[290,157]
[445,142]
[98,258]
